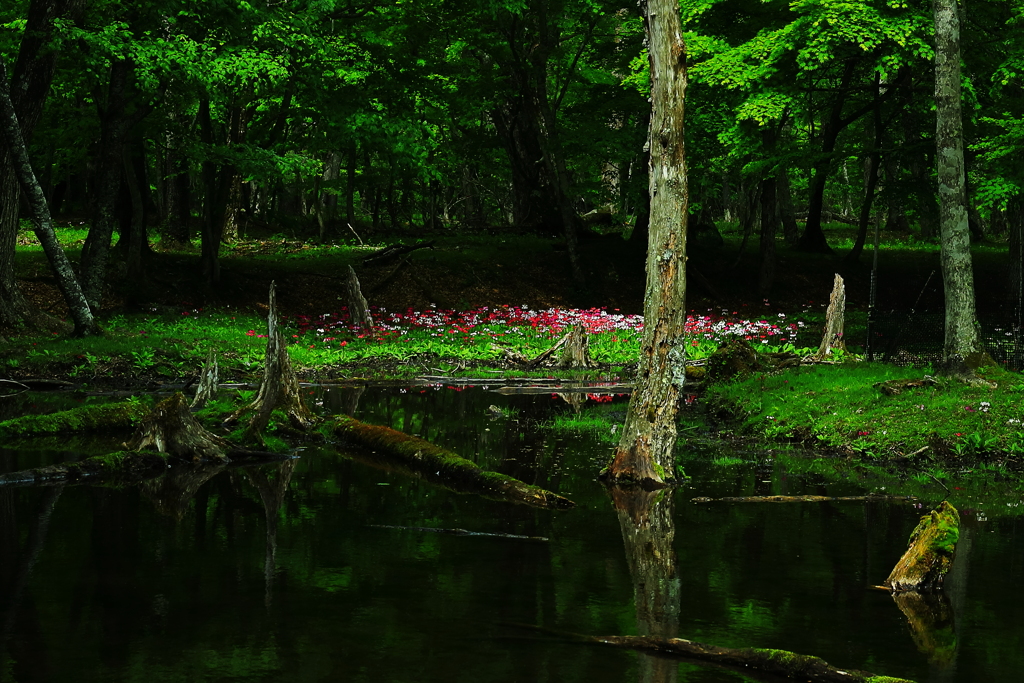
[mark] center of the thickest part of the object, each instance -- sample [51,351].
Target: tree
[31,78]
[645,454]
[19,160]
[963,348]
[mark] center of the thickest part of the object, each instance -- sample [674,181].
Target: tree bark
[962,350]
[645,454]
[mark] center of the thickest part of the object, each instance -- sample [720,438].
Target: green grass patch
[839,406]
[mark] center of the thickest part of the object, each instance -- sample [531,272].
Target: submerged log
[170,428]
[924,566]
[461,532]
[106,417]
[119,466]
[280,387]
[390,449]
[801,499]
[778,662]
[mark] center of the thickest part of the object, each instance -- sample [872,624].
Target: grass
[175,344]
[839,407]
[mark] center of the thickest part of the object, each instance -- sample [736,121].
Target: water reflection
[277,573]
[647,521]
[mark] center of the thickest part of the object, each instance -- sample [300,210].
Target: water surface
[284,572]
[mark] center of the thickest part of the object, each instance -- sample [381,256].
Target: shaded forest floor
[468,271]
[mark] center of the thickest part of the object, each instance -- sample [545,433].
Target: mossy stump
[170,428]
[924,566]
[736,358]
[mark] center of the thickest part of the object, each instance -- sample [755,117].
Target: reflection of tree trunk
[648,531]
[272,492]
[37,539]
[172,493]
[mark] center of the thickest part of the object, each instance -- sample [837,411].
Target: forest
[166,122]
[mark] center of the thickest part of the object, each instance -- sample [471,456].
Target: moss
[123,415]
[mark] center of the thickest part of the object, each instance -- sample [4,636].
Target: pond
[320,568]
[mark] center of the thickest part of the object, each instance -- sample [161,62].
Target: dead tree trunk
[280,387]
[207,387]
[832,337]
[358,309]
[646,452]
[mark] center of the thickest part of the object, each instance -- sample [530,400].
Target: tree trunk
[645,454]
[769,228]
[114,125]
[787,215]
[19,159]
[1015,282]
[870,181]
[963,349]
[30,82]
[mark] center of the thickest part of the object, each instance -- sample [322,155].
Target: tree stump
[280,387]
[576,350]
[358,309]
[170,428]
[932,547]
[832,337]
[207,387]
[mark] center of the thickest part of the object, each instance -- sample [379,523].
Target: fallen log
[105,417]
[125,467]
[390,449]
[930,554]
[122,466]
[778,662]
[460,532]
[802,499]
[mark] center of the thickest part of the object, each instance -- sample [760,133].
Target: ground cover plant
[175,345]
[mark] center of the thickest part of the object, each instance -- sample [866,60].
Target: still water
[289,572]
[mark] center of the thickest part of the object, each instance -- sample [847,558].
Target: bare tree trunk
[963,348]
[645,454]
